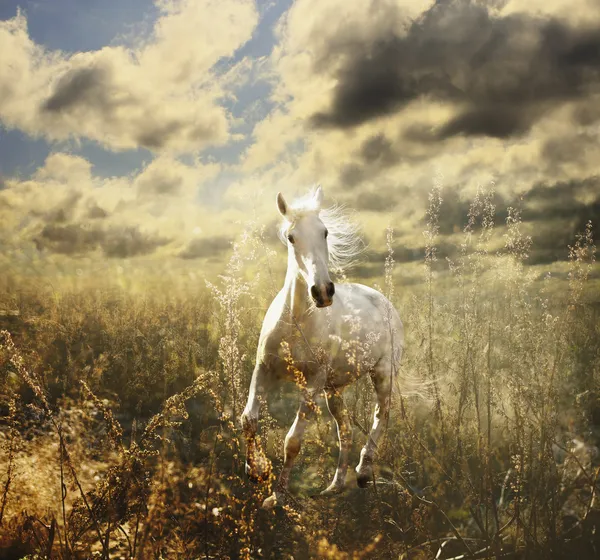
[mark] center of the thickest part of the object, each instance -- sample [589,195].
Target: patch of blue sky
[113,164]
[81,25]
[74,26]
[20,154]
[251,102]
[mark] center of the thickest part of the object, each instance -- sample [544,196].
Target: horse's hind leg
[336,406]
[382,378]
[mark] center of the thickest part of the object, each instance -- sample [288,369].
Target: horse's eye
[290,238]
[326,234]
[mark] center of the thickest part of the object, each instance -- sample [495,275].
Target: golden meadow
[121,390]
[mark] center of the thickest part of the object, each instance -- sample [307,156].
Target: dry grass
[120,435]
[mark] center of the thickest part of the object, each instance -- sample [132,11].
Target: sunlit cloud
[369,99]
[162,94]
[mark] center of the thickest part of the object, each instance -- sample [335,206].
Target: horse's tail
[405,383]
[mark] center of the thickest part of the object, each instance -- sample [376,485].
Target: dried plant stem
[12,437]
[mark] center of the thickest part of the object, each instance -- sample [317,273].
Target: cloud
[557,213]
[302,65]
[459,118]
[488,78]
[372,99]
[65,168]
[206,247]
[68,239]
[66,209]
[375,202]
[77,240]
[96,213]
[162,94]
[378,149]
[83,86]
[168,177]
[130,242]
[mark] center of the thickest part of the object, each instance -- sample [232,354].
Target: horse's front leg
[258,467]
[293,439]
[291,448]
[293,442]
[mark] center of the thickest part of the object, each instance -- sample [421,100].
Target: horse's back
[368,303]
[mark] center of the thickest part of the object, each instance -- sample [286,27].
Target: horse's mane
[343,239]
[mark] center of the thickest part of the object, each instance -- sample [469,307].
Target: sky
[157,129]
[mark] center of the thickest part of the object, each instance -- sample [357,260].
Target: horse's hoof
[332,490]
[363,481]
[271,501]
[364,476]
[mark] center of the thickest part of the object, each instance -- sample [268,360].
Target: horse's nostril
[314,292]
[330,289]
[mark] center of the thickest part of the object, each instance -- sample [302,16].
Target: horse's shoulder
[355,290]
[273,314]
[270,335]
[367,300]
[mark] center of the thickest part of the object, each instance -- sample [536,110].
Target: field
[120,399]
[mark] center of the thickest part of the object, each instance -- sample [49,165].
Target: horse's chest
[293,353]
[297,355]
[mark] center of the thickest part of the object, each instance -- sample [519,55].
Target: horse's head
[307,242]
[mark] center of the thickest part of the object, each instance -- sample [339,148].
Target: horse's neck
[295,291]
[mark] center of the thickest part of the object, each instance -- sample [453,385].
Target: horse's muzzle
[323,294]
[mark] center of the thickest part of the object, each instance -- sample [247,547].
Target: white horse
[324,336]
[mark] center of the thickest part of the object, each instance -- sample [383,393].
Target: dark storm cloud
[378,149]
[454,212]
[564,200]
[70,239]
[96,213]
[571,148]
[376,202]
[502,73]
[402,254]
[367,270]
[353,174]
[92,91]
[553,214]
[558,213]
[81,87]
[588,112]
[156,135]
[62,212]
[131,242]
[376,153]
[497,122]
[206,247]
[77,239]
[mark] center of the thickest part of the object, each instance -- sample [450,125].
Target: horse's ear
[281,204]
[318,196]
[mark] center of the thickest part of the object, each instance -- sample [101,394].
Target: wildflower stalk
[10,449]
[431,233]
